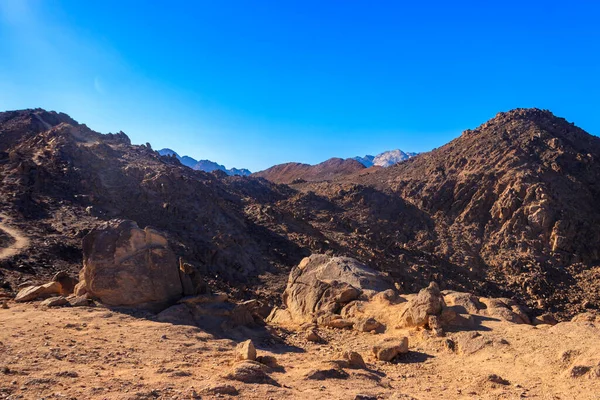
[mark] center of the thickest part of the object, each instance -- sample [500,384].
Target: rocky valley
[468,272]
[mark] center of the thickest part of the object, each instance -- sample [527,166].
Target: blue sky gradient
[255,83]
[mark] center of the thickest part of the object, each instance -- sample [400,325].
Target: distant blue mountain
[203,165]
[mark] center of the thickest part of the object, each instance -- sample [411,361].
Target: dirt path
[21,241]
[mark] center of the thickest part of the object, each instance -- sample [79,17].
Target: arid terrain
[469,272]
[96,353]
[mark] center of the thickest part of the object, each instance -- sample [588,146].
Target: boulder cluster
[126,266]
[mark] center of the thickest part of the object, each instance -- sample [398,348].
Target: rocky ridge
[203,165]
[298,172]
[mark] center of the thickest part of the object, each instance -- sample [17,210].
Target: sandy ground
[96,353]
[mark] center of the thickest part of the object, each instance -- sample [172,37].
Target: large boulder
[124,265]
[429,302]
[322,284]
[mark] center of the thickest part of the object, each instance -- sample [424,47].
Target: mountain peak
[385,159]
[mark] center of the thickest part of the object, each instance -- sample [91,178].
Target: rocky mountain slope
[507,210]
[203,165]
[60,179]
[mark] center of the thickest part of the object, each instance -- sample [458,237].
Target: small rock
[245,351]
[354,359]
[334,321]
[269,361]
[68,374]
[497,379]
[367,325]
[450,344]
[4,305]
[80,301]
[55,301]
[331,371]
[229,390]
[313,336]
[251,372]
[365,397]
[389,348]
[435,325]
[545,319]
[579,370]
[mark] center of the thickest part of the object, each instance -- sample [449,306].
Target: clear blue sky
[255,83]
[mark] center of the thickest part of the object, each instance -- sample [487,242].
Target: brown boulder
[245,351]
[546,318]
[67,282]
[368,325]
[462,303]
[428,302]
[505,309]
[35,292]
[312,335]
[321,283]
[351,359]
[220,389]
[251,372]
[124,265]
[389,348]
[334,321]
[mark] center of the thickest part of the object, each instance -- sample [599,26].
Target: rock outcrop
[429,302]
[321,285]
[124,265]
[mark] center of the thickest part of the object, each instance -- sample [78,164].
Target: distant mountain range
[330,169]
[385,159]
[204,165]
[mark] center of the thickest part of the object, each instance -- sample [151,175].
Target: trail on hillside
[21,241]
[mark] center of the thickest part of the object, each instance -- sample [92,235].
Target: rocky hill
[511,205]
[295,172]
[60,179]
[507,210]
[203,165]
